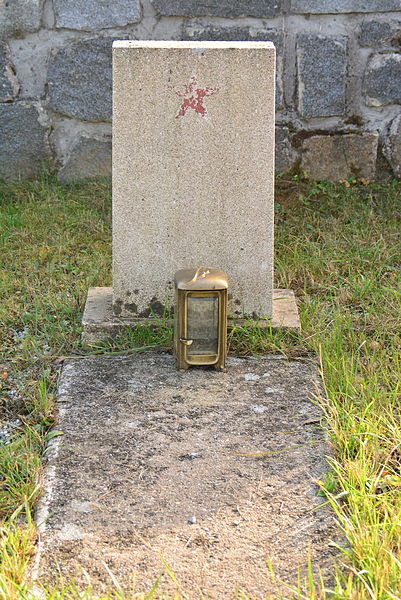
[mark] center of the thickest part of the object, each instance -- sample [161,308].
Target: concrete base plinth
[99,322]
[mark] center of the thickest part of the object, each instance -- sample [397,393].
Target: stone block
[392,146]
[79,80]
[8,81]
[193,169]
[19,16]
[343,6]
[321,65]
[382,80]
[373,33]
[285,156]
[335,157]
[23,141]
[93,15]
[88,157]
[223,8]
[241,33]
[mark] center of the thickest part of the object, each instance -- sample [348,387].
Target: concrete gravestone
[193,175]
[193,169]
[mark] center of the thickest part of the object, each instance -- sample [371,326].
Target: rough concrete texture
[223,8]
[392,146]
[19,16]
[87,158]
[373,33]
[343,6]
[8,81]
[382,81]
[321,65]
[211,472]
[23,141]
[193,170]
[195,31]
[346,155]
[96,14]
[79,80]
[99,322]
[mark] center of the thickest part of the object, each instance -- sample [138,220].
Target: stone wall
[338,78]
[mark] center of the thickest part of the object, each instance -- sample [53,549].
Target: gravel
[7,430]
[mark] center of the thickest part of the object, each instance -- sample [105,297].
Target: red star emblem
[193,97]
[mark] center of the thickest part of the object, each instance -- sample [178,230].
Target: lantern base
[99,322]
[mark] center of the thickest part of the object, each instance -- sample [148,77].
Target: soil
[205,474]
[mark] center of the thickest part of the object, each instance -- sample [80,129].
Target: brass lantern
[200,317]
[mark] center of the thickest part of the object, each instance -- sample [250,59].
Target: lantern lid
[203,278]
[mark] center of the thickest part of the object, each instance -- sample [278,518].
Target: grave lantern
[200,317]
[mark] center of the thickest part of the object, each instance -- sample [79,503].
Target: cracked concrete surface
[210,473]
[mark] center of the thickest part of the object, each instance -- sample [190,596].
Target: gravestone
[193,169]
[193,178]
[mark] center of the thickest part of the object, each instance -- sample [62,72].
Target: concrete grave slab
[193,170]
[99,322]
[213,471]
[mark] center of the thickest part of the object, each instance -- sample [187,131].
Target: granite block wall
[338,97]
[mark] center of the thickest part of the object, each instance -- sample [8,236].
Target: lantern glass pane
[203,322]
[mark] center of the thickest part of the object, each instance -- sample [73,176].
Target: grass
[337,246]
